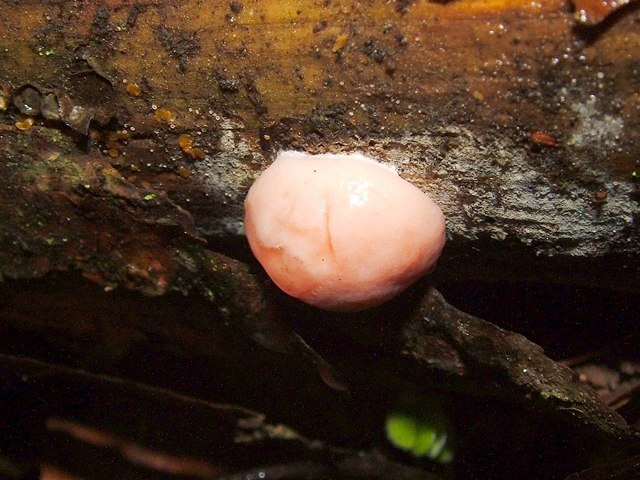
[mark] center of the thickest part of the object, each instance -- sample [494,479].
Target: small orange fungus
[96,135]
[134,89]
[186,145]
[24,124]
[185,141]
[196,153]
[113,141]
[163,115]
[112,172]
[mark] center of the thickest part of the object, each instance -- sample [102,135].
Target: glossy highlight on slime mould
[341,232]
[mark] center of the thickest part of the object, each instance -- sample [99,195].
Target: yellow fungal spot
[196,153]
[24,124]
[113,142]
[186,145]
[186,142]
[163,115]
[340,42]
[134,89]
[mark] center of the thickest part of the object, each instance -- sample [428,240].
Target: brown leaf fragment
[325,370]
[27,100]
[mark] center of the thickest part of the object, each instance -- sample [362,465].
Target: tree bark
[522,126]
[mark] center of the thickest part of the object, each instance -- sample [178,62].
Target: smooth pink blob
[341,232]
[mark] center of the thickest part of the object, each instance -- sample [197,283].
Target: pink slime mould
[341,232]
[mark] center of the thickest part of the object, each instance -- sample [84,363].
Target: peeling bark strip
[504,364]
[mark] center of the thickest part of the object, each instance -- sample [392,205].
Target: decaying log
[523,127]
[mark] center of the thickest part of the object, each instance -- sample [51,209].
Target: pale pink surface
[341,232]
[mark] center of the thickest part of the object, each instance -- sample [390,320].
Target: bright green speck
[402,430]
[150,196]
[420,426]
[427,441]
[446,455]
